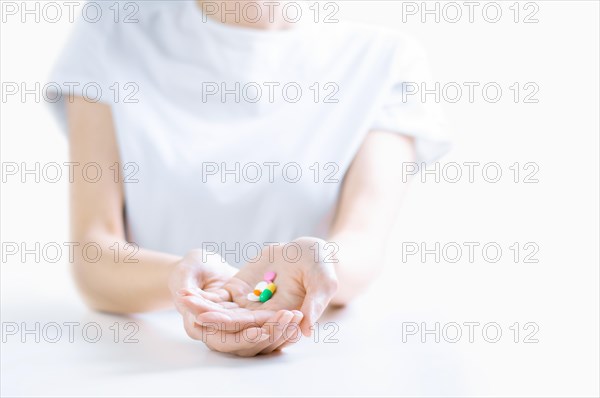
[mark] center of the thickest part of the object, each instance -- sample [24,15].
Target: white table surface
[368,359]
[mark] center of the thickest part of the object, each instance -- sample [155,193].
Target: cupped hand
[200,276]
[306,281]
[203,273]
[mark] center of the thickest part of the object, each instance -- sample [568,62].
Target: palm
[303,284]
[290,291]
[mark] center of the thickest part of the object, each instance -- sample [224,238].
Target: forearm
[359,262]
[367,210]
[124,278]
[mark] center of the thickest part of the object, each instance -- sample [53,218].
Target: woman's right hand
[199,273]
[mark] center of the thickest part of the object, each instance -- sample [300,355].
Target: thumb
[312,307]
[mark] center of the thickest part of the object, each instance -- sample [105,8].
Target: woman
[234,134]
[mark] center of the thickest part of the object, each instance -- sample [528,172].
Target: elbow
[103,289]
[98,305]
[339,302]
[95,293]
[342,298]
[90,290]
[107,307]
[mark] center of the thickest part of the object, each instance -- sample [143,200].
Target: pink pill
[269,276]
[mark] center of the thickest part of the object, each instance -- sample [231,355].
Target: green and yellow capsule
[265,295]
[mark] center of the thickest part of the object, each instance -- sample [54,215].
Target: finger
[290,334]
[198,304]
[216,296]
[179,301]
[312,307]
[240,343]
[247,342]
[229,321]
[275,327]
[192,330]
[293,333]
[202,303]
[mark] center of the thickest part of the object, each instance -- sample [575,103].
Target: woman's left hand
[306,281]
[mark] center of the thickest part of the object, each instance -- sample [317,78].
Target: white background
[559,214]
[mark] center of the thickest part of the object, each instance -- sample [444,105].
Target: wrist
[185,273]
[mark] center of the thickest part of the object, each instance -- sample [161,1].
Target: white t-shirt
[207,163]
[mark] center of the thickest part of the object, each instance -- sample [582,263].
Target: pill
[271,286]
[265,295]
[252,297]
[260,286]
[269,276]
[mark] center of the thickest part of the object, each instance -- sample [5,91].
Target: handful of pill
[264,290]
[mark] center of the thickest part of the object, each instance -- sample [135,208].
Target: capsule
[269,276]
[265,295]
[252,297]
[271,286]
[260,286]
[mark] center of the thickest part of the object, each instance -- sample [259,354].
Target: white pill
[252,297]
[261,286]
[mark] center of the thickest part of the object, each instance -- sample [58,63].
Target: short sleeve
[403,110]
[80,69]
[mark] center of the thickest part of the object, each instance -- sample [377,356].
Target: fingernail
[277,320]
[284,314]
[182,292]
[297,313]
[285,318]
